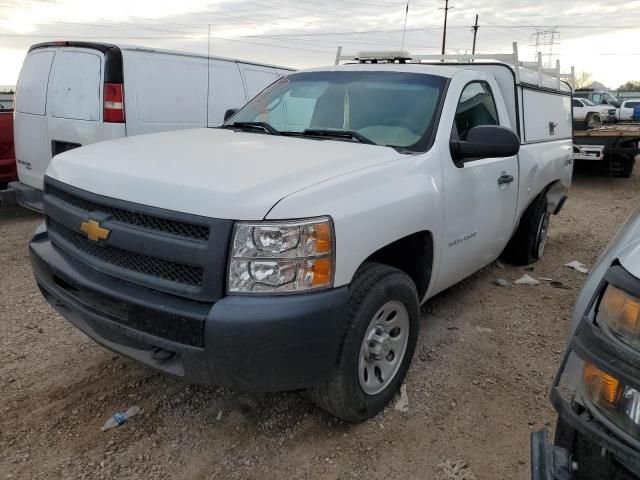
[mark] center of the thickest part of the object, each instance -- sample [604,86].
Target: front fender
[373,207]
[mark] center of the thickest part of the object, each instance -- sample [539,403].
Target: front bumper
[596,447]
[261,343]
[27,197]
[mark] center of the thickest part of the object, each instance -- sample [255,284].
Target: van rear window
[75,86]
[31,93]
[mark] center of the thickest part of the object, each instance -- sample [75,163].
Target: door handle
[504,179]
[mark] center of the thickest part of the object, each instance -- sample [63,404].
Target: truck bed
[618,144]
[617,130]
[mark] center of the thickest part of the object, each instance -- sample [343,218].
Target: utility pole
[444,32]
[475,33]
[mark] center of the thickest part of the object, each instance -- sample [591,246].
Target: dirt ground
[477,387]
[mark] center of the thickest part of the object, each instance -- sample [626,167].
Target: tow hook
[161,354]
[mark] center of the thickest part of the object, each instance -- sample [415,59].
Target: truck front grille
[181,229]
[168,251]
[147,265]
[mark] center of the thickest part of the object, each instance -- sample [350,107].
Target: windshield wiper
[252,126]
[318,132]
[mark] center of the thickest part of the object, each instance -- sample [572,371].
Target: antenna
[208,69]
[404,29]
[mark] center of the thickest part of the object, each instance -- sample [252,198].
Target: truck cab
[296,243]
[599,97]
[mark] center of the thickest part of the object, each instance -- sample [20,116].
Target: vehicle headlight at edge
[620,313]
[281,256]
[616,401]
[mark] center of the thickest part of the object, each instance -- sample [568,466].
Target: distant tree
[583,80]
[630,86]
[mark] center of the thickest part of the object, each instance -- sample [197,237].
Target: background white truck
[71,94]
[294,245]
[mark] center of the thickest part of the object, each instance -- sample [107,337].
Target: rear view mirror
[229,113]
[485,141]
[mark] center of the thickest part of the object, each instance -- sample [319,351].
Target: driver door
[480,195]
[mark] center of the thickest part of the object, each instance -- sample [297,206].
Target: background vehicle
[589,114]
[597,390]
[309,228]
[614,147]
[626,111]
[7,155]
[71,94]
[599,97]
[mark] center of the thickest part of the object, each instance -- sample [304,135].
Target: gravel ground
[477,387]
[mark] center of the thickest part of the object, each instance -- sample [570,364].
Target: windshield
[588,102]
[395,109]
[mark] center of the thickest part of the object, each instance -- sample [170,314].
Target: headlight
[619,312]
[281,257]
[616,401]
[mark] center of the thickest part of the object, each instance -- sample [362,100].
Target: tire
[376,288]
[627,167]
[527,244]
[592,120]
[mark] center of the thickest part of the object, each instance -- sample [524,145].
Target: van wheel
[377,345]
[527,244]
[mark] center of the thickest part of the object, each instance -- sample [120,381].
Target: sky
[602,38]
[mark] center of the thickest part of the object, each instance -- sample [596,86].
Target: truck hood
[211,172]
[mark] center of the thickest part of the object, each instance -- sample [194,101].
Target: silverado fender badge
[94,231]
[463,238]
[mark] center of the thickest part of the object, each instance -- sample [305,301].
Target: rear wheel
[377,347]
[528,243]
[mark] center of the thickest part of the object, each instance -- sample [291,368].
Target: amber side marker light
[602,387]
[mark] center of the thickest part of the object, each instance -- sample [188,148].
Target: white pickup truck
[293,246]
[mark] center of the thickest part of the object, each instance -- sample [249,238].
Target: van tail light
[113,103]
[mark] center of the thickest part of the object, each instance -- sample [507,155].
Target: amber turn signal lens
[323,238]
[322,271]
[620,311]
[602,387]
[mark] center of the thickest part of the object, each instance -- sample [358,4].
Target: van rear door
[33,150]
[74,100]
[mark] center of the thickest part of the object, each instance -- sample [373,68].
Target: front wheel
[377,346]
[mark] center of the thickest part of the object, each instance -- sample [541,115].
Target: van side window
[475,107]
[597,98]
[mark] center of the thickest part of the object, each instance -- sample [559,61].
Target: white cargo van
[307,229]
[71,94]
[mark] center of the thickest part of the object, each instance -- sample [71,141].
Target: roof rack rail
[526,72]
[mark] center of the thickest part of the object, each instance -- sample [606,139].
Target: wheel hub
[379,344]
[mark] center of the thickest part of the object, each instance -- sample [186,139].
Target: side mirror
[229,113]
[485,141]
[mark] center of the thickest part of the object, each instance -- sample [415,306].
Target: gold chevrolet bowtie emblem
[94,231]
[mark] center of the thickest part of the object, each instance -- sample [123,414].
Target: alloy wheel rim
[383,347]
